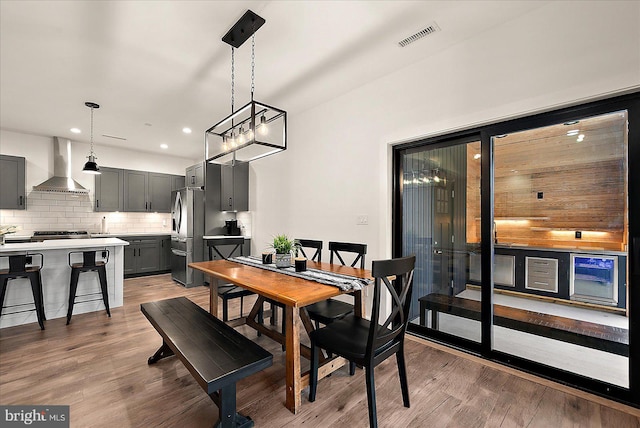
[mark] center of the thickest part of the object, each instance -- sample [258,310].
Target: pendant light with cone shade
[91,167]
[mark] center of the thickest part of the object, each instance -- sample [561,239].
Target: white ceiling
[158,66]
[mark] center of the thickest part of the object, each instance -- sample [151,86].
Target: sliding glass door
[527,237]
[439,184]
[560,251]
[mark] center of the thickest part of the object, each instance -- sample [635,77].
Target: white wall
[339,158]
[38,151]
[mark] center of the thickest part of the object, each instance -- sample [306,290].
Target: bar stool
[89,264]
[21,266]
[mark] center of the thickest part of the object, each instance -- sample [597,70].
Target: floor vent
[419,35]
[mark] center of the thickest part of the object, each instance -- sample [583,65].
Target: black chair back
[311,243]
[397,277]
[215,243]
[20,262]
[335,248]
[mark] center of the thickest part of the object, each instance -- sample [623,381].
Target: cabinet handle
[145,205]
[149,206]
[230,202]
[97,203]
[193,179]
[20,200]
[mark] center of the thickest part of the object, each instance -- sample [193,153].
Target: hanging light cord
[253,63]
[91,151]
[232,78]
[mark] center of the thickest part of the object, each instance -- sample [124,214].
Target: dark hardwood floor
[98,366]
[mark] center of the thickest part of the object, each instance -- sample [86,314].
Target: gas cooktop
[59,234]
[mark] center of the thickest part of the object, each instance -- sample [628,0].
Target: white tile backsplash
[60,211]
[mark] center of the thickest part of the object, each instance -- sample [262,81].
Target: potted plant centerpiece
[283,247]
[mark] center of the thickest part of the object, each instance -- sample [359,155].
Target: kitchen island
[56,275]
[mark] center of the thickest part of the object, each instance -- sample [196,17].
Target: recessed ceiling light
[164,146]
[75,130]
[186,130]
[573,122]
[477,156]
[573,132]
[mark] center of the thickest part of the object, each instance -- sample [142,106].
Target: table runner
[343,282]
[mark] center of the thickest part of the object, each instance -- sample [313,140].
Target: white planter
[283,260]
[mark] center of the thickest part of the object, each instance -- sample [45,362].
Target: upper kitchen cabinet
[231,183]
[177,182]
[136,184]
[12,183]
[147,191]
[109,187]
[195,175]
[159,193]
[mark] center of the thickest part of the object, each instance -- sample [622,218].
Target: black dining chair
[329,310]
[314,245]
[369,343]
[228,292]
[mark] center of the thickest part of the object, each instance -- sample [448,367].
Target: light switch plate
[362,220]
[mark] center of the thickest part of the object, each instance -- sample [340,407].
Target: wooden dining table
[294,294]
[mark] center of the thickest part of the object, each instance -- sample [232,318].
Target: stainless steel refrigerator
[187,228]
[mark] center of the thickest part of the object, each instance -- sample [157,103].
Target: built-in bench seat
[597,336]
[215,354]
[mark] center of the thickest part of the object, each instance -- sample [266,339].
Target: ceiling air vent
[420,34]
[114,137]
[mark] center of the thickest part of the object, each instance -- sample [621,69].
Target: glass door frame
[629,102]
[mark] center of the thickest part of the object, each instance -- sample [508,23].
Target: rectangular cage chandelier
[255,130]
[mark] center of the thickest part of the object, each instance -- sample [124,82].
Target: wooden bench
[215,354]
[597,336]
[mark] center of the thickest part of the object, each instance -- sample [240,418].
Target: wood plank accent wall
[549,186]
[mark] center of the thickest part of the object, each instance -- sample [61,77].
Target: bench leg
[163,352]
[225,399]
[434,319]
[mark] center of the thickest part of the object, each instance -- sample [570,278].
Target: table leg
[213,296]
[293,375]
[358,303]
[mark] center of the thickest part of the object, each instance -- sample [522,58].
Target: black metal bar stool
[22,266]
[89,264]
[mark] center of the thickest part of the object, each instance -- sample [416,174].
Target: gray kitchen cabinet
[146,254]
[234,186]
[12,183]
[177,182]
[135,191]
[147,191]
[109,190]
[195,175]
[165,252]
[159,192]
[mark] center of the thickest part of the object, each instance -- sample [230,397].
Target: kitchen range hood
[61,180]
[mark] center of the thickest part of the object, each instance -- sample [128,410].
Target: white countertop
[114,235]
[62,244]
[224,236]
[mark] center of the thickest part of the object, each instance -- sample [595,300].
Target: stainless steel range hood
[61,180]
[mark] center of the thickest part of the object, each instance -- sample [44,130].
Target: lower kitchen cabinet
[146,255]
[165,253]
